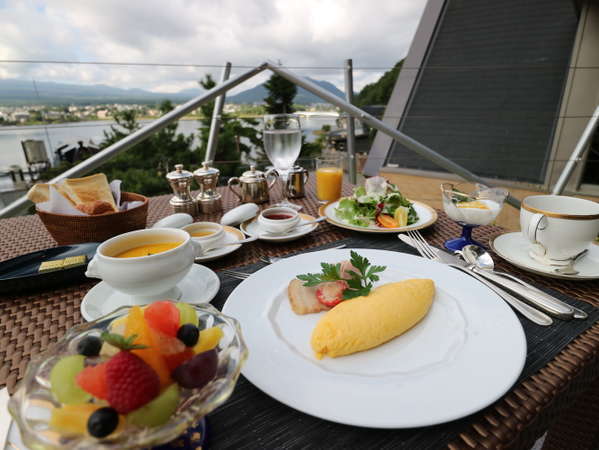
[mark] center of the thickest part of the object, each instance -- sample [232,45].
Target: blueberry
[188,334]
[89,346]
[102,422]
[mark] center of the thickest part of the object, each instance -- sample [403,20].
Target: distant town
[48,114]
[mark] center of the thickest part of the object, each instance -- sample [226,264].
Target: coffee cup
[161,258]
[278,219]
[558,227]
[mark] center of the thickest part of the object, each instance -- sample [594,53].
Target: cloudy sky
[299,33]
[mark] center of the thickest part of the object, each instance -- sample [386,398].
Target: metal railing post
[581,146]
[351,131]
[216,118]
[138,136]
[410,143]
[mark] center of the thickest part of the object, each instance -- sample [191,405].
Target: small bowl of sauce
[209,234]
[278,219]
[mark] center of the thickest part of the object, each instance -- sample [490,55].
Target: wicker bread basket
[67,229]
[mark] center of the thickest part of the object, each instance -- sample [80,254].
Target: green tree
[378,93]
[143,167]
[236,137]
[281,93]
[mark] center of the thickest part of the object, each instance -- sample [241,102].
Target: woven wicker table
[562,397]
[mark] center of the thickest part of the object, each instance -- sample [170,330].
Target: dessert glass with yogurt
[470,208]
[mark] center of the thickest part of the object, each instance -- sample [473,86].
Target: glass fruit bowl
[470,209]
[33,403]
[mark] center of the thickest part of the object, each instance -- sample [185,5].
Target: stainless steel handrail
[134,138]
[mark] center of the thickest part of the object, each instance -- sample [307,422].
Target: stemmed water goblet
[282,136]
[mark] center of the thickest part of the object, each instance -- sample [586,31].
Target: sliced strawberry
[331,292]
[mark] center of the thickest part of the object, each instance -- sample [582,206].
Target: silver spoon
[569,269]
[485,266]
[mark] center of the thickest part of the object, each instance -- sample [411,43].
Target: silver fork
[274,259]
[235,274]
[427,251]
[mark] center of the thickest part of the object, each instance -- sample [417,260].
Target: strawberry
[330,293]
[131,383]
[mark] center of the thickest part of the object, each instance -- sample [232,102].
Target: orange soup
[148,249]
[202,233]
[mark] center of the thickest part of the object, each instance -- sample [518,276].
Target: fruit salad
[138,377]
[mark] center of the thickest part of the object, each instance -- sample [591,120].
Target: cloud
[307,33]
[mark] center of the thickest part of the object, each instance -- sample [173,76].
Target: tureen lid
[179,173]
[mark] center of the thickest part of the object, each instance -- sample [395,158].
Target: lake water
[56,135]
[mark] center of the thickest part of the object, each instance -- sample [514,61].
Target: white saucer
[200,285]
[231,235]
[252,228]
[514,248]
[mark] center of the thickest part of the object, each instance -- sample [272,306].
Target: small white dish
[231,235]
[514,248]
[200,285]
[214,238]
[253,228]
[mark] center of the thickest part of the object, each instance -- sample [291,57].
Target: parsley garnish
[360,283]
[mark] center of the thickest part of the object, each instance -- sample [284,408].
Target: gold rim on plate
[433,219]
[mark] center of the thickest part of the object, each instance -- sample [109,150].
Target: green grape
[62,380]
[157,411]
[187,313]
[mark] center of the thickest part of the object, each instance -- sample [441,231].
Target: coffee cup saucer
[514,248]
[200,285]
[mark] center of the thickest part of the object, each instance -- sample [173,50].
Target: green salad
[379,203]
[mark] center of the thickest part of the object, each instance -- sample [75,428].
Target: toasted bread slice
[303,299]
[96,207]
[39,193]
[89,189]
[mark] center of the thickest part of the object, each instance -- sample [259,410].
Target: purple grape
[198,371]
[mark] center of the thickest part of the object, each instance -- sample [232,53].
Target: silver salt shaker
[180,181]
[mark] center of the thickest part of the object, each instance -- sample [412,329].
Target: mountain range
[21,92]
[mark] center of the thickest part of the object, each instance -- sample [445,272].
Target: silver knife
[526,310]
[5,419]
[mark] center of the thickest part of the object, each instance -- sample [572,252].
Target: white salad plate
[465,354]
[200,285]
[253,228]
[514,248]
[231,235]
[426,217]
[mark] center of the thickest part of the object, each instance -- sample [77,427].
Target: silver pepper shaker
[209,199]
[180,181]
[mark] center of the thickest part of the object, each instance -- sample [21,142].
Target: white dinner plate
[426,217]
[252,228]
[514,248]
[465,354]
[200,285]
[231,235]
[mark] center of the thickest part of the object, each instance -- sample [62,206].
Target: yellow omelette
[366,322]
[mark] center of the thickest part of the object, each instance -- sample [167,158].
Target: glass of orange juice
[329,177]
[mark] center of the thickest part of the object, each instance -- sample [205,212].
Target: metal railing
[138,136]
